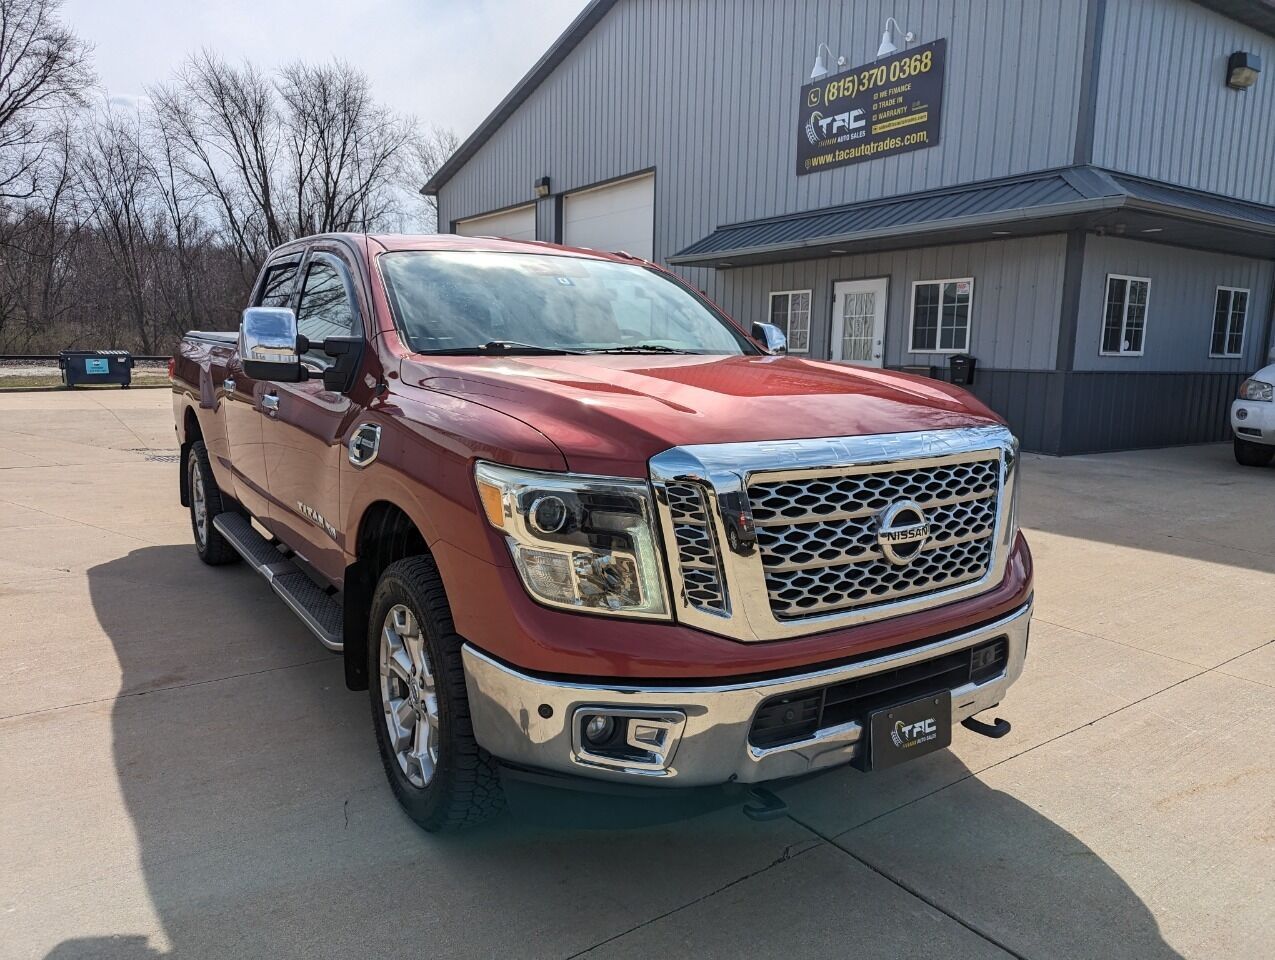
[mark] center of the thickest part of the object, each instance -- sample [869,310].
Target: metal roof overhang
[1076,198]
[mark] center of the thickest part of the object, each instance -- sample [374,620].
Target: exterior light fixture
[541,187]
[821,67]
[1242,70]
[888,46]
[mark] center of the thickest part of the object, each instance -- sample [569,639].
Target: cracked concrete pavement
[183,774]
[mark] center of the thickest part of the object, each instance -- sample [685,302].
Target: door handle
[270,403]
[228,385]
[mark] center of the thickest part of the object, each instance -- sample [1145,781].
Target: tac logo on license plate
[910,730]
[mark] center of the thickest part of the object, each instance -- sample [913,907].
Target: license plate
[910,730]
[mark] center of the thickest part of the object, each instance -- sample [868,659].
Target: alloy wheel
[198,502]
[408,696]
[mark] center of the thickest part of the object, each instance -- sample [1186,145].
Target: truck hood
[609,413]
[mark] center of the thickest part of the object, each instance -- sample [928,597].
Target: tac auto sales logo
[820,128]
[908,735]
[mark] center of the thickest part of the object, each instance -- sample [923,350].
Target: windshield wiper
[501,346]
[641,348]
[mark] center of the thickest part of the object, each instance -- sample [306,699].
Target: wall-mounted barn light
[888,46]
[1242,70]
[820,69]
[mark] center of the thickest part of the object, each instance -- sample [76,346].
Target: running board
[318,611]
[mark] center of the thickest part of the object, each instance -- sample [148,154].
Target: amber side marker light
[493,503]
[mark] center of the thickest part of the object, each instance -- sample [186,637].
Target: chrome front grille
[818,535]
[696,547]
[783,539]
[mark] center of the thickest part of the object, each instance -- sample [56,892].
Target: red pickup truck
[569,523]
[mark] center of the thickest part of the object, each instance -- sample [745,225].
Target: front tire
[205,503]
[420,709]
[1250,454]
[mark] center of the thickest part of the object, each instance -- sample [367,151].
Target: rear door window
[279,283]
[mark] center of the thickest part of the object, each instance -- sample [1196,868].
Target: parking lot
[182,772]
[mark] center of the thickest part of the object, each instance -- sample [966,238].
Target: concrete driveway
[182,772]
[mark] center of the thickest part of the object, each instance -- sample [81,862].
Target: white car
[1253,418]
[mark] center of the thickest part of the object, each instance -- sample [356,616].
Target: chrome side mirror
[771,337]
[268,345]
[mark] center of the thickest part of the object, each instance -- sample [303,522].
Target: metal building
[1079,194]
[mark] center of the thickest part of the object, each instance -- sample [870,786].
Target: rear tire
[1250,454]
[205,503]
[420,709]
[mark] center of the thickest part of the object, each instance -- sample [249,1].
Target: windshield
[469,301]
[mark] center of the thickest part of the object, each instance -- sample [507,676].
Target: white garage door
[516,224]
[618,216]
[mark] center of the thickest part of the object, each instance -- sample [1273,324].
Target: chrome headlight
[1256,390]
[581,543]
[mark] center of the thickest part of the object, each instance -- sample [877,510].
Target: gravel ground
[31,368]
[45,373]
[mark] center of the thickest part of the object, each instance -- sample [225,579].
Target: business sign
[889,106]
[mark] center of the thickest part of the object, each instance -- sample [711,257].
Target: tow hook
[996,729]
[764,805]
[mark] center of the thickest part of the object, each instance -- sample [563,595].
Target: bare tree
[118,189]
[122,228]
[307,153]
[43,68]
[191,237]
[429,152]
[37,242]
[223,125]
[345,153]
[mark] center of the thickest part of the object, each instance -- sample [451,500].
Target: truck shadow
[265,828]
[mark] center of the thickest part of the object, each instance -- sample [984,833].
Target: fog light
[641,739]
[598,729]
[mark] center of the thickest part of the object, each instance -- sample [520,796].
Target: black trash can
[960,369]
[96,366]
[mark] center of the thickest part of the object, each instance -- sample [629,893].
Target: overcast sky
[447,61]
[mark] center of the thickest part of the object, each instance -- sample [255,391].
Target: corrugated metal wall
[1179,307]
[1164,110]
[1017,296]
[1125,411]
[1064,412]
[705,91]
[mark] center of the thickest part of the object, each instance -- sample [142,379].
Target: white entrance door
[858,321]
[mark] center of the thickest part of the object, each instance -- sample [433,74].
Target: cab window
[325,309]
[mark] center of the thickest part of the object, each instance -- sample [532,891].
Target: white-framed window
[790,312]
[1230,317]
[941,315]
[1124,315]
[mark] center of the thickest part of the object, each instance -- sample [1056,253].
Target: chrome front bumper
[697,735]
